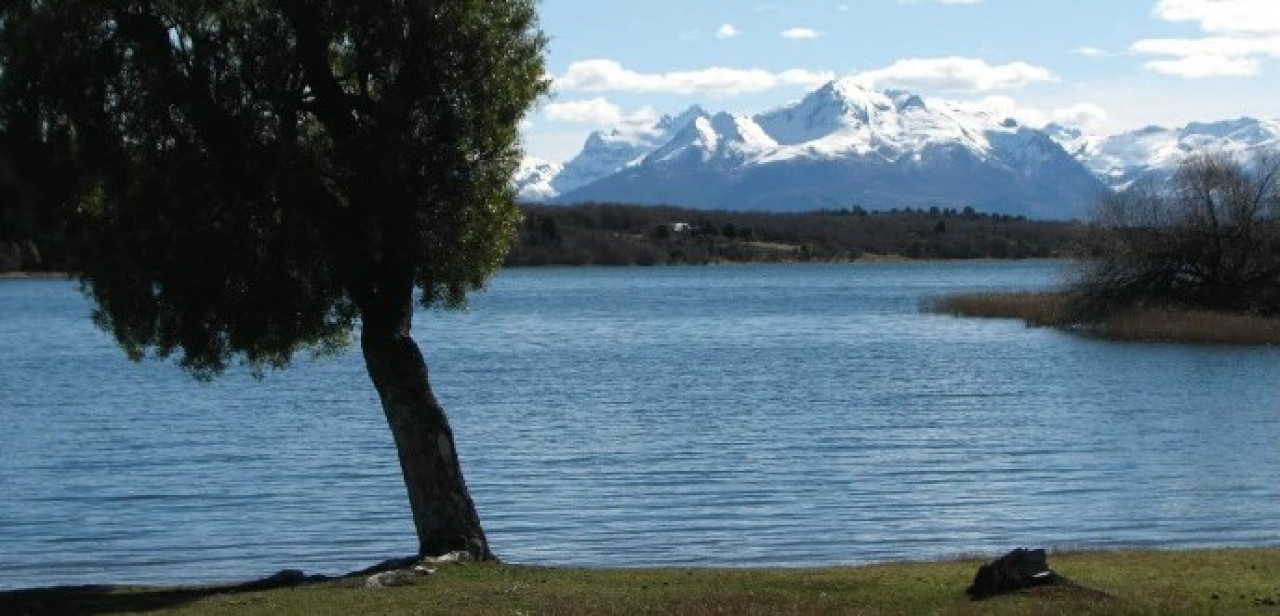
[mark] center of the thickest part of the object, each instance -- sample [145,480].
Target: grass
[1228,581]
[1045,309]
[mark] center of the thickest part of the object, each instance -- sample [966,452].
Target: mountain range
[845,145]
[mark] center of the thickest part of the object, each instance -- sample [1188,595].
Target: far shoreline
[35,275]
[866,259]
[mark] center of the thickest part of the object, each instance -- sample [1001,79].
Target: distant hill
[611,234]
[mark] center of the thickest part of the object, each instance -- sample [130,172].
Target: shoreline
[26,275]
[1139,324]
[1224,580]
[867,259]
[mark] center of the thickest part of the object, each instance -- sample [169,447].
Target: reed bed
[1146,324]
[1038,309]
[1164,325]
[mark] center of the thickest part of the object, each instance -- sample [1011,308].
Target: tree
[1209,240]
[256,178]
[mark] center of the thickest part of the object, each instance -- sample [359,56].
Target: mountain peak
[847,141]
[677,123]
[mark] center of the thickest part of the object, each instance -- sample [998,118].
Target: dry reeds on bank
[1166,325]
[1038,309]
[1050,309]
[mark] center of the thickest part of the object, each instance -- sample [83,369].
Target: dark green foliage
[246,178]
[613,234]
[1208,241]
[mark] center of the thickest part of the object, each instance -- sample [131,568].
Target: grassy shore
[1045,309]
[1229,581]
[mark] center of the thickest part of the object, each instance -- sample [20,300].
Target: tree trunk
[443,513]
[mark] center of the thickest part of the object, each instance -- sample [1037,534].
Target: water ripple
[720,416]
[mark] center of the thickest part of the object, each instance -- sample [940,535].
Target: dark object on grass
[1019,569]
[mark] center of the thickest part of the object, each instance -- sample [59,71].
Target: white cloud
[1224,16]
[1084,115]
[610,76]
[1201,67]
[597,111]
[1244,32]
[958,74]
[1212,46]
[1002,107]
[940,1]
[1089,52]
[726,31]
[797,34]
[804,77]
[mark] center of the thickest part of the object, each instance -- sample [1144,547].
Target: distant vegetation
[1196,261]
[615,234]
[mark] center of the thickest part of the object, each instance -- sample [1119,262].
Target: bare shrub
[1208,241]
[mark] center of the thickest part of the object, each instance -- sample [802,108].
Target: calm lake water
[793,415]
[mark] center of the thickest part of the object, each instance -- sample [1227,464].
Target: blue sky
[1104,65]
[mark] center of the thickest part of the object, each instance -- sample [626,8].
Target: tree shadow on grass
[108,599]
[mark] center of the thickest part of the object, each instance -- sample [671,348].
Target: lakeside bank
[1219,581]
[1138,324]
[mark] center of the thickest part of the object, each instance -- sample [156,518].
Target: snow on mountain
[1154,153]
[843,118]
[844,144]
[719,137]
[607,153]
[534,177]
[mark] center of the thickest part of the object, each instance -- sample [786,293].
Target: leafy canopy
[251,177]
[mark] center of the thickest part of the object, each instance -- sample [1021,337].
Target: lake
[721,416]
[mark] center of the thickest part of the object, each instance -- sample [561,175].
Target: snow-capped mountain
[1153,153]
[844,144]
[841,145]
[607,153]
[534,177]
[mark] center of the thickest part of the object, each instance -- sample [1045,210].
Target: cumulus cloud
[1084,115]
[596,111]
[1000,106]
[1242,34]
[1224,16]
[1202,66]
[956,73]
[1081,115]
[726,31]
[798,34]
[610,76]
